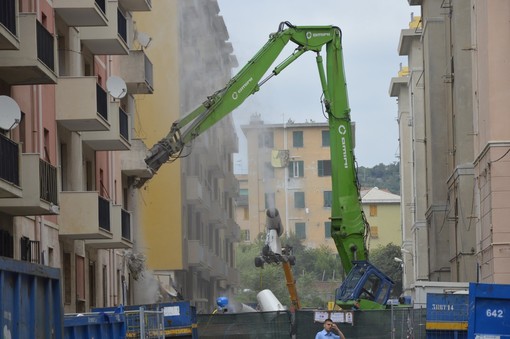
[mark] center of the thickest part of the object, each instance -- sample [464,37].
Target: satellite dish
[143,38]
[116,87]
[10,114]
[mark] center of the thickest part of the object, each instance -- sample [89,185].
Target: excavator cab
[365,287]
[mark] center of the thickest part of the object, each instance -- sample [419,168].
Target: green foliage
[312,265]
[383,257]
[381,176]
[320,264]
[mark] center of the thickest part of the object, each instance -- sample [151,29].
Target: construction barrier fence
[391,324]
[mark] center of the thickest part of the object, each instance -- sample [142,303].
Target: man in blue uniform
[327,332]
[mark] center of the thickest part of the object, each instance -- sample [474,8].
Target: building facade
[289,168]
[189,231]
[76,80]
[453,144]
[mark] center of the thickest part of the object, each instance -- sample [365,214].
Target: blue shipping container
[447,315]
[30,300]
[95,325]
[489,306]
[180,318]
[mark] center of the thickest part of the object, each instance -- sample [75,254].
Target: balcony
[114,139]
[198,255]
[194,190]
[136,5]
[39,189]
[136,70]
[231,185]
[231,142]
[81,13]
[219,268]
[35,61]
[9,25]
[85,215]
[110,39]
[9,169]
[120,228]
[81,104]
[235,230]
[213,162]
[133,162]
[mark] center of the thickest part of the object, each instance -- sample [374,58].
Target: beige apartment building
[77,79]
[452,108]
[289,168]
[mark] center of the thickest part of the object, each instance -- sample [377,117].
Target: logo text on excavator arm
[235,95]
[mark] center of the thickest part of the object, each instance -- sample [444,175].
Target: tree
[383,257]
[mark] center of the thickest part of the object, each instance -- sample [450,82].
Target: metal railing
[9,160]
[8,15]
[126,225]
[102,102]
[48,182]
[102,5]
[149,74]
[45,46]
[122,25]
[104,213]
[30,250]
[123,124]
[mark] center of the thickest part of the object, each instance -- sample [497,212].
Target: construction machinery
[274,253]
[365,284]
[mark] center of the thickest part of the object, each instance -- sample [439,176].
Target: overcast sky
[371,31]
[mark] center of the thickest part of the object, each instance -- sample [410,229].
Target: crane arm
[246,82]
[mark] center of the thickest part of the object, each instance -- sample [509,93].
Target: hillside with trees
[381,176]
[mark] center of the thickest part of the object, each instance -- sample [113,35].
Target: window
[327,229]
[299,199]
[296,169]
[328,196]
[266,140]
[373,210]
[297,138]
[243,192]
[325,139]
[300,230]
[374,231]
[245,235]
[324,168]
[269,200]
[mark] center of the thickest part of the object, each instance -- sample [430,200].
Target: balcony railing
[9,160]
[126,225]
[148,72]
[48,182]
[8,15]
[104,213]
[122,25]
[102,5]
[30,250]
[102,102]
[123,124]
[45,45]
